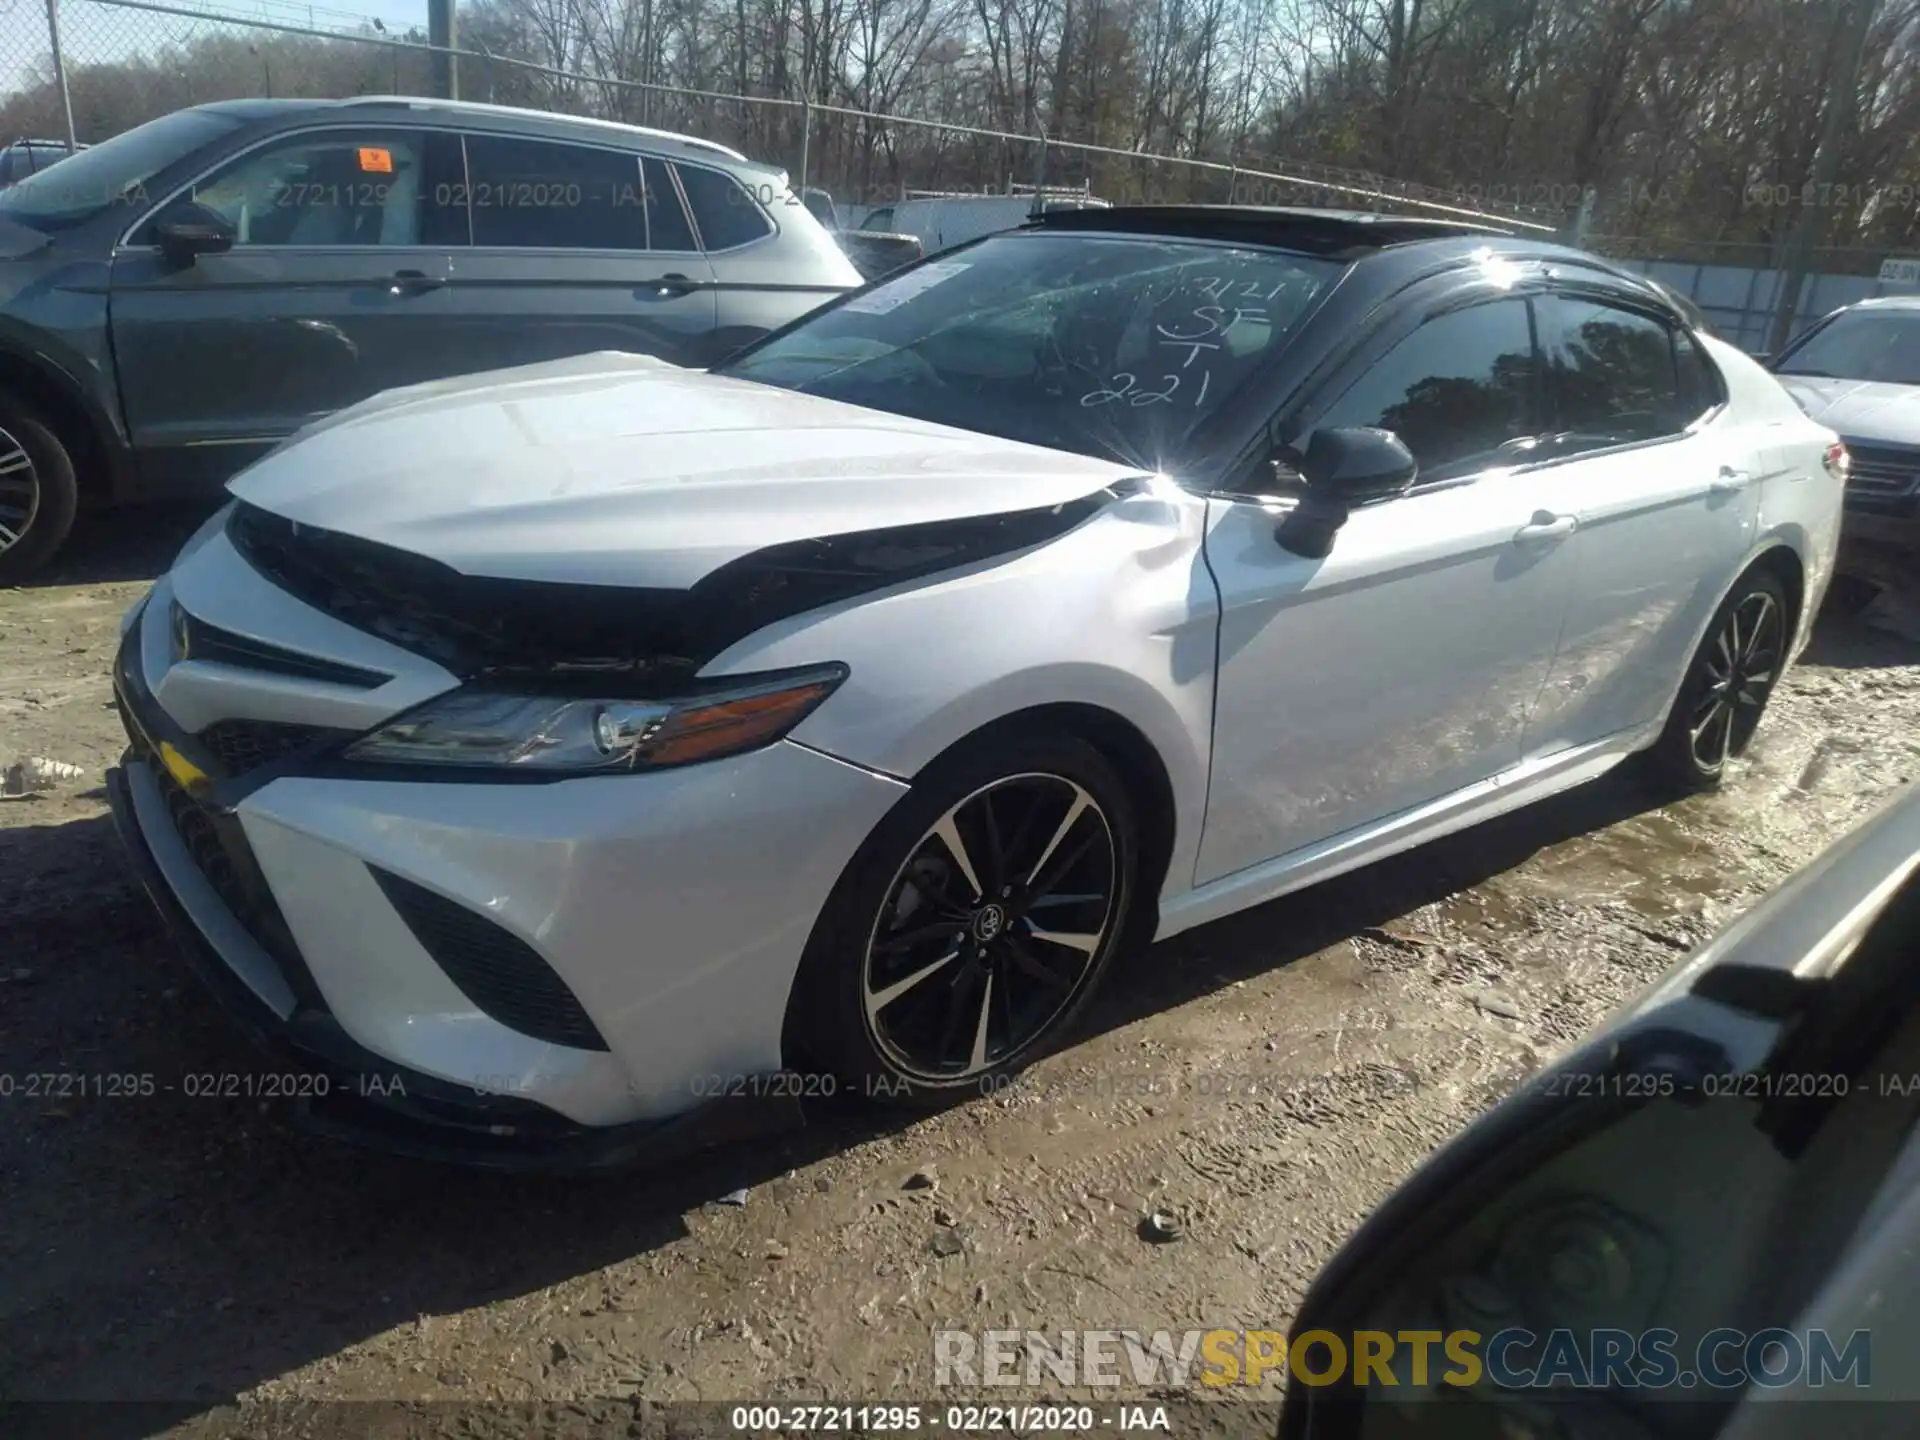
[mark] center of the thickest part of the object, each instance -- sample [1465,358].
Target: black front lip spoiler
[371,1102]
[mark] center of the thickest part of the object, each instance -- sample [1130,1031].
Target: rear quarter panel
[1800,503]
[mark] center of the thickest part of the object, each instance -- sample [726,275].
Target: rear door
[767,267]
[576,248]
[334,289]
[1664,481]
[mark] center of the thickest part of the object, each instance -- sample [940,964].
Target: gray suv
[177,300]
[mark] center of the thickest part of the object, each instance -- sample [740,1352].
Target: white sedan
[566,746]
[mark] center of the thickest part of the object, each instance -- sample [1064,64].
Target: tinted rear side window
[726,214]
[1615,376]
[667,227]
[1455,390]
[536,194]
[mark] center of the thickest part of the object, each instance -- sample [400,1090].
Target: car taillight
[1836,461]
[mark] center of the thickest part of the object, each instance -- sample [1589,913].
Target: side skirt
[1510,790]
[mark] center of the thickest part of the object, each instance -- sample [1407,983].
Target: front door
[1402,666]
[335,289]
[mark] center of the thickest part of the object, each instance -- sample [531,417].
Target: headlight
[497,730]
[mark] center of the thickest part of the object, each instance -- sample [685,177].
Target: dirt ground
[1269,1078]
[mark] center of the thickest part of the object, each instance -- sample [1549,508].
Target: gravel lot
[1268,1077]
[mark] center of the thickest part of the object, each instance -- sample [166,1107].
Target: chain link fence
[127,61]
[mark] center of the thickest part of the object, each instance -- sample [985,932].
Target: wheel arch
[1775,553]
[1134,757]
[1781,557]
[1141,769]
[99,457]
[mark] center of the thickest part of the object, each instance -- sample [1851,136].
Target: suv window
[726,214]
[667,227]
[541,194]
[1455,390]
[1616,377]
[336,188]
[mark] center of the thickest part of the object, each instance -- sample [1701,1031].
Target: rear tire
[38,494]
[1727,686]
[969,932]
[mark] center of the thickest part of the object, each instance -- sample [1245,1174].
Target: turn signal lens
[1837,461]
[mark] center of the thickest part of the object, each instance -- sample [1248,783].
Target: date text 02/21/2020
[955,1419]
[57,1085]
[1749,1085]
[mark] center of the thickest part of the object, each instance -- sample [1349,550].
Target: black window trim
[126,241]
[639,158]
[1646,307]
[1386,328]
[773,225]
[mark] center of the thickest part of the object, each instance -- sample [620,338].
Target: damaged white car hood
[624,470]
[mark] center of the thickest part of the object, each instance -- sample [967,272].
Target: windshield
[1110,346]
[115,172]
[1882,345]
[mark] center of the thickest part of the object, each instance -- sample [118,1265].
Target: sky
[96,30]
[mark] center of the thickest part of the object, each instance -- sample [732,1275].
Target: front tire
[38,494]
[968,934]
[1727,686]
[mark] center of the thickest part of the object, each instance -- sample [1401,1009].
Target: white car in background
[578,742]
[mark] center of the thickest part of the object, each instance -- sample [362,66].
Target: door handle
[413,282]
[667,287]
[1545,529]
[1729,481]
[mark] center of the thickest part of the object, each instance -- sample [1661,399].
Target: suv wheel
[38,494]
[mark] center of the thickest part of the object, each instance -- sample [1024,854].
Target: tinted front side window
[335,188]
[726,214]
[534,194]
[1615,377]
[1455,390]
[1111,346]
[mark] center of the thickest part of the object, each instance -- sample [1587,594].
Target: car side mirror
[1343,467]
[190,231]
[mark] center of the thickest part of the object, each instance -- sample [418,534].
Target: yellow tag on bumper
[191,777]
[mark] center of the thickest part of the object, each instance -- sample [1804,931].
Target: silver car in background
[1858,372]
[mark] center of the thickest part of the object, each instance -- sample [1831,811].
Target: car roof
[1886,302]
[1288,227]
[545,123]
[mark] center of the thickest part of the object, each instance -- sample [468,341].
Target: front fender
[1119,614]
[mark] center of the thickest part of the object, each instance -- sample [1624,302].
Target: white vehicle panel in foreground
[615,469]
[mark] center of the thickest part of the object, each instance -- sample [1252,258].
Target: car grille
[500,973]
[243,745]
[1882,472]
[468,623]
[221,854]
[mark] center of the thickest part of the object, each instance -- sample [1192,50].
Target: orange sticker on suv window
[372,157]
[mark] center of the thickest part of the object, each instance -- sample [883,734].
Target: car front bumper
[673,906]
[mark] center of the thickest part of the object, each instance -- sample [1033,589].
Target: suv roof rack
[478,107]
[1266,225]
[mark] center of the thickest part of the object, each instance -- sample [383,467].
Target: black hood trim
[617,639]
